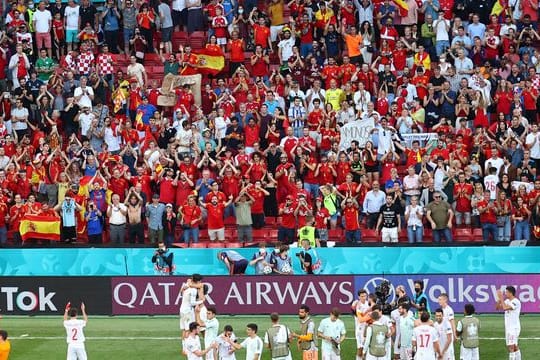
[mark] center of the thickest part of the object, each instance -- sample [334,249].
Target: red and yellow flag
[40,227]
[210,60]
[403,8]
[118,99]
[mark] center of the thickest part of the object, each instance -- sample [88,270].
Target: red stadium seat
[462,235]
[477,235]
[402,236]
[428,235]
[198,245]
[233,245]
[215,245]
[370,236]
[272,235]
[336,235]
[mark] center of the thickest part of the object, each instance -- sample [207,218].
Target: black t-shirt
[68,116]
[437,81]
[519,130]
[88,15]
[389,215]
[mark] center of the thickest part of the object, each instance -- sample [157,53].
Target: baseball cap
[290,197]
[169,205]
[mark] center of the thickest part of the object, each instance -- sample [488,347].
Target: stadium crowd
[84,139]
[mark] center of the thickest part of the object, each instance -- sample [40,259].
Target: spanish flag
[210,60]
[499,7]
[139,124]
[119,98]
[403,8]
[83,186]
[40,227]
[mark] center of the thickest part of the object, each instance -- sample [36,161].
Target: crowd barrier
[133,295]
[335,261]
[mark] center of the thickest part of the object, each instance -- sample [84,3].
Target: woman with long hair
[503,98]
[477,196]
[369,158]
[480,105]
[520,216]
[503,206]
[367,48]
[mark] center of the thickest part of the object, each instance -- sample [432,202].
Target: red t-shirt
[190,213]
[167,191]
[488,216]
[237,50]
[288,220]
[463,204]
[215,216]
[258,204]
[350,213]
[320,216]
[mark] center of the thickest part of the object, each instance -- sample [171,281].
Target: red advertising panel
[234,295]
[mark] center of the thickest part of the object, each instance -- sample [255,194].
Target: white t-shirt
[191,345]
[225,350]
[535,150]
[490,183]
[425,337]
[441,33]
[189,300]
[111,139]
[414,219]
[74,331]
[333,329]
[511,317]
[85,120]
[286,47]
[42,19]
[85,100]
[253,346]
[448,315]
[19,113]
[211,331]
[443,329]
[117,218]
[71,14]
[496,163]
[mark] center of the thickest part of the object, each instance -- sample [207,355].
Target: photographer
[94,224]
[163,259]
[309,260]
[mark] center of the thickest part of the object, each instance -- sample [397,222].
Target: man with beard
[307,338]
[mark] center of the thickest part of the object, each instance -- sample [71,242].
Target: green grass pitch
[142,338]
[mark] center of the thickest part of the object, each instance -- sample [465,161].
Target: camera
[161,251]
[382,292]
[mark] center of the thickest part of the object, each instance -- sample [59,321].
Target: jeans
[298,132]
[487,229]
[353,236]
[505,230]
[415,235]
[522,230]
[441,46]
[462,217]
[192,232]
[169,239]
[446,232]
[313,189]
[3,235]
[229,211]
[286,235]
[305,49]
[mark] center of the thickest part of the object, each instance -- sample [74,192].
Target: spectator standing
[390,220]
[67,210]
[110,17]
[154,213]
[191,216]
[440,214]
[117,212]
[242,204]
[94,224]
[413,217]
[216,210]
[42,25]
[129,22]
[169,225]
[135,227]
[373,201]
[351,214]
[167,26]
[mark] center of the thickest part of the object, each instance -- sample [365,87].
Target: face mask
[31,6]
[240,11]
[417,290]
[442,60]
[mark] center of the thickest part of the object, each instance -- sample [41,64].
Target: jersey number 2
[74,334]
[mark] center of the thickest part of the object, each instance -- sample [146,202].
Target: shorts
[274,31]
[468,354]
[166,34]
[240,266]
[216,234]
[372,168]
[512,337]
[186,318]
[71,36]
[389,234]
[405,353]
[43,40]
[330,355]
[359,335]
[76,352]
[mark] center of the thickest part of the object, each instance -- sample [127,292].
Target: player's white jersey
[511,317]
[425,337]
[191,345]
[211,331]
[448,316]
[189,299]
[253,346]
[225,350]
[74,331]
[443,329]
[360,309]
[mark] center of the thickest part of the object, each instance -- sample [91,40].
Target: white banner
[358,130]
[424,138]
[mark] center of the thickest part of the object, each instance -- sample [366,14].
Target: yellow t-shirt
[5,348]
[335,97]
[275,11]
